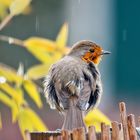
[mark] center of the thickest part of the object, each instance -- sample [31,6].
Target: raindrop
[36,24]
[124,35]
[11,40]
[2,79]
[79,1]
[20,69]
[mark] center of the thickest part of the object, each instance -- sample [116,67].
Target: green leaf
[10,74]
[37,123]
[96,117]
[15,113]
[29,120]
[41,55]
[24,123]
[18,6]
[37,71]
[32,91]
[3,11]
[62,37]
[17,96]
[6,99]
[43,44]
[45,50]
[10,103]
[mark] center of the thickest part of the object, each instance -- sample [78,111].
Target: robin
[73,84]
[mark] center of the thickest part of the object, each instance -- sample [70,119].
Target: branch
[5,21]
[12,40]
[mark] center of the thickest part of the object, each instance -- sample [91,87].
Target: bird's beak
[105,52]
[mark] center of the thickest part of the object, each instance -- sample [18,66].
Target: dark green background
[128,48]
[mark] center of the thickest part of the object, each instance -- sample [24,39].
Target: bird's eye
[91,50]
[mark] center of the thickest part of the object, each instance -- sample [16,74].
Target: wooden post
[78,134]
[49,138]
[105,132]
[121,137]
[36,136]
[81,134]
[98,136]
[27,135]
[115,131]
[132,127]
[75,134]
[139,121]
[45,135]
[123,116]
[54,137]
[65,135]
[91,133]
[120,131]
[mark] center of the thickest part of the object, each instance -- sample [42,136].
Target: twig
[5,21]
[12,40]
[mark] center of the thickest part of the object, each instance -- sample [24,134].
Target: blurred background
[113,24]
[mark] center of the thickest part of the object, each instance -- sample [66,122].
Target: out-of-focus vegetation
[14,84]
[11,8]
[95,117]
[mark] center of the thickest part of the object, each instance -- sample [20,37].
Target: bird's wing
[68,78]
[63,80]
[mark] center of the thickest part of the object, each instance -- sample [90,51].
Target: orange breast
[91,57]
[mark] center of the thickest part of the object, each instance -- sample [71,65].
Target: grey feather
[73,77]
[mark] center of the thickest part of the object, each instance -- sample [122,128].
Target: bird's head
[88,51]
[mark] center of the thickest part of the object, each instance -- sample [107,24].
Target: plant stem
[5,21]
[12,40]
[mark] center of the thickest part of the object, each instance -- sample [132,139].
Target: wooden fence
[125,130]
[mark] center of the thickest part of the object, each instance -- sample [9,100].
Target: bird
[73,84]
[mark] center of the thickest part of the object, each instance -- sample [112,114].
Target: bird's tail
[73,117]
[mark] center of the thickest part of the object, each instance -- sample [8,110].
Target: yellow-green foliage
[15,7]
[14,84]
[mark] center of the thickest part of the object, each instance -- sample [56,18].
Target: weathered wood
[121,137]
[119,131]
[91,133]
[55,138]
[27,135]
[98,136]
[115,131]
[75,134]
[45,135]
[81,134]
[65,135]
[139,121]
[78,134]
[105,132]
[132,127]
[33,136]
[49,138]
[123,116]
